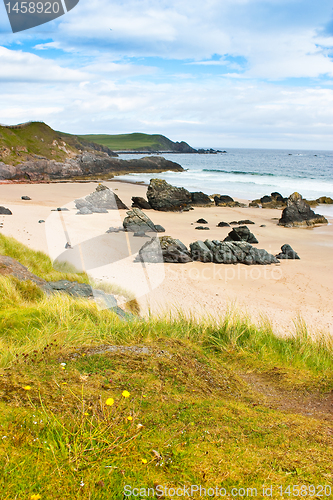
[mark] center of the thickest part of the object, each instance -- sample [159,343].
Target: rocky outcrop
[226,201]
[162,196]
[11,267]
[224,252]
[223,224]
[100,201]
[299,213]
[164,249]
[275,200]
[200,199]
[5,211]
[241,233]
[287,253]
[138,222]
[84,165]
[202,221]
[325,200]
[139,202]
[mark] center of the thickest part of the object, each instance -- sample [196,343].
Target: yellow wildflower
[35,497]
[109,401]
[144,460]
[126,394]
[27,388]
[129,418]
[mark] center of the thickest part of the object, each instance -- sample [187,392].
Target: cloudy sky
[219,73]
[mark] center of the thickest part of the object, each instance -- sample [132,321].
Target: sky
[219,73]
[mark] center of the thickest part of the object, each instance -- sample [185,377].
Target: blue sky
[220,73]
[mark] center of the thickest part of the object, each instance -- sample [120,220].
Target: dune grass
[165,405]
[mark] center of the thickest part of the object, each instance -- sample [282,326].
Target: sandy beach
[281,292]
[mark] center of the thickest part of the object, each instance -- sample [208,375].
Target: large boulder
[138,222]
[224,252]
[164,249]
[162,196]
[100,201]
[226,201]
[287,253]
[299,213]
[139,202]
[241,233]
[200,199]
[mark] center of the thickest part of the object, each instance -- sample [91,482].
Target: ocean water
[251,173]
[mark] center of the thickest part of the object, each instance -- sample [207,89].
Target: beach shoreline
[281,293]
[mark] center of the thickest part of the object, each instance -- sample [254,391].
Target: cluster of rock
[167,198]
[299,213]
[167,249]
[102,200]
[275,200]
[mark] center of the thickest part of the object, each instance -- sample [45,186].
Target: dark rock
[254,204]
[159,228]
[245,221]
[287,253]
[136,221]
[59,209]
[299,213]
[68,245]
[202,228]
[201,252]
[241,233]
[5,211]
[233,222]
[201,199]
[226,252]
[277,197]
[201,221]
[266,199]
[72,288]
[41,221]
[224,201]
[262,225]
[164,249]
[162,196]
[223,224]
[25,198]
[139,202]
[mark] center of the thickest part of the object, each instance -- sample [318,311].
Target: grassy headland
[173,402]
[136,142]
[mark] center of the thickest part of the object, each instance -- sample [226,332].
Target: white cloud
[17,66]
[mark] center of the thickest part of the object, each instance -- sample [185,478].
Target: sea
[250,173]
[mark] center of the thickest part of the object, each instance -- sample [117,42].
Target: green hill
[138,142]
[36,140]
[19,143]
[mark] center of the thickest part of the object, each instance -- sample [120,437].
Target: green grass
[135,141]
[193,417]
